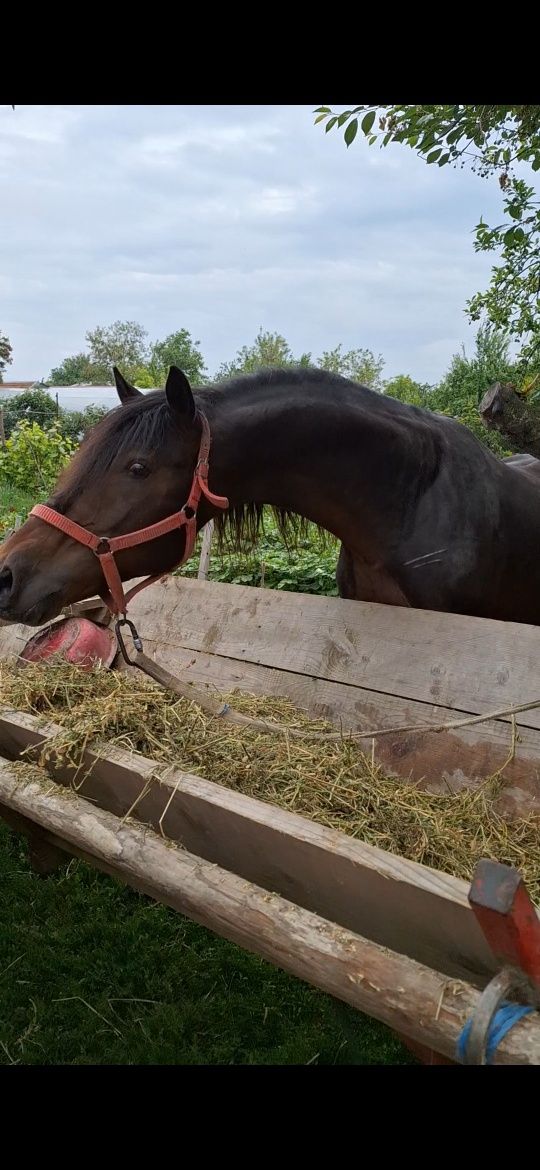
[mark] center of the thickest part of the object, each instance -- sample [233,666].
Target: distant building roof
[16,385]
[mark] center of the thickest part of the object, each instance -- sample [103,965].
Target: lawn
[13,503]
[93,973]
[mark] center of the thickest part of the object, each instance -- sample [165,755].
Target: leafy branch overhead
[495,142]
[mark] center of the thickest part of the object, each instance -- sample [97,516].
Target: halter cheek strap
[105,547]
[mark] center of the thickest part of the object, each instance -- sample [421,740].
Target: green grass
[13,503]
[93,973]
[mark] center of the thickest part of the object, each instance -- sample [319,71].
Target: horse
[427,517]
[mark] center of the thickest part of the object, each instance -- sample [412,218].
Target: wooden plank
[467,664]
[442,763]
[446,762]
[397,903]
[419,1002]
[204,560]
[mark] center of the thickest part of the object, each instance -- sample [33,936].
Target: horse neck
[322,449]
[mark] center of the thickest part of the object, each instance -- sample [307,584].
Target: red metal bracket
[510,923]
[508,917]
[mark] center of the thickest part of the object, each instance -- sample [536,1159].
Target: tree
[74,370]
[76,423]
[6,357]
[33,406]
[178,349]
[360,365]
[405,389]
[461,390]
[121,344]
[493,141]
[268,349]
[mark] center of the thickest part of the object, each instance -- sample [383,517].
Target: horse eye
[138,470]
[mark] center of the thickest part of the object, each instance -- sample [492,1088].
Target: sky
[223,219]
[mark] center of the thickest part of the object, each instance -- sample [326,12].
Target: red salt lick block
[76,640]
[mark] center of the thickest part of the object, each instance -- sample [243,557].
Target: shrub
[309,568]
[33,457]
[34,405]
[75,423]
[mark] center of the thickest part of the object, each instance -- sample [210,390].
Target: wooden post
[44,857]
[204,562]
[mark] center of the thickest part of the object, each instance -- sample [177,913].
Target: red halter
[105,547]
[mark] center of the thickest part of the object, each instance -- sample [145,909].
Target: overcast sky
[222,219]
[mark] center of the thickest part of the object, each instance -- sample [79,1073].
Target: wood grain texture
[463,663]
[270,642]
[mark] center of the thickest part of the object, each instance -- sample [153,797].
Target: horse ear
[124,389]
[179,396]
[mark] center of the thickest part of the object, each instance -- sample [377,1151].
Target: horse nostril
[6,583]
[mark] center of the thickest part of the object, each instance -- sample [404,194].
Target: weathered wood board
[363,666]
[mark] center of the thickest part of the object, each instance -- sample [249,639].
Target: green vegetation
[308,568]
[93,973]
[124,344]
[5,354]
[33,458]
[38,406]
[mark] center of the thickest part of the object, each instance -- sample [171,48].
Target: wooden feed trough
[394,938]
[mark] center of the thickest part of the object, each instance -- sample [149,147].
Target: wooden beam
[417,1001]
[44,857]
[467,664]
[397,903]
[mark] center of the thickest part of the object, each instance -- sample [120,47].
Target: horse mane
[147,420]
[240,527]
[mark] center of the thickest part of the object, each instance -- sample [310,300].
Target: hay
[330,782]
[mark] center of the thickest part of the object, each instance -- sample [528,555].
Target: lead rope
[224,711]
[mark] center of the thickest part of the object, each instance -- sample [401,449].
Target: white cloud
[222,219]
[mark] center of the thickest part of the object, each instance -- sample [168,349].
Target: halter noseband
[105,547]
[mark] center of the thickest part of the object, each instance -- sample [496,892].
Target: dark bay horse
[427,517]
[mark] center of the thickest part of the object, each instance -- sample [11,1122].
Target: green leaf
[435,154]
[367,121]
[351,131]
[323,110]
[331,122]
[319,119]
[443,161]
[508,237]
[536,163]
